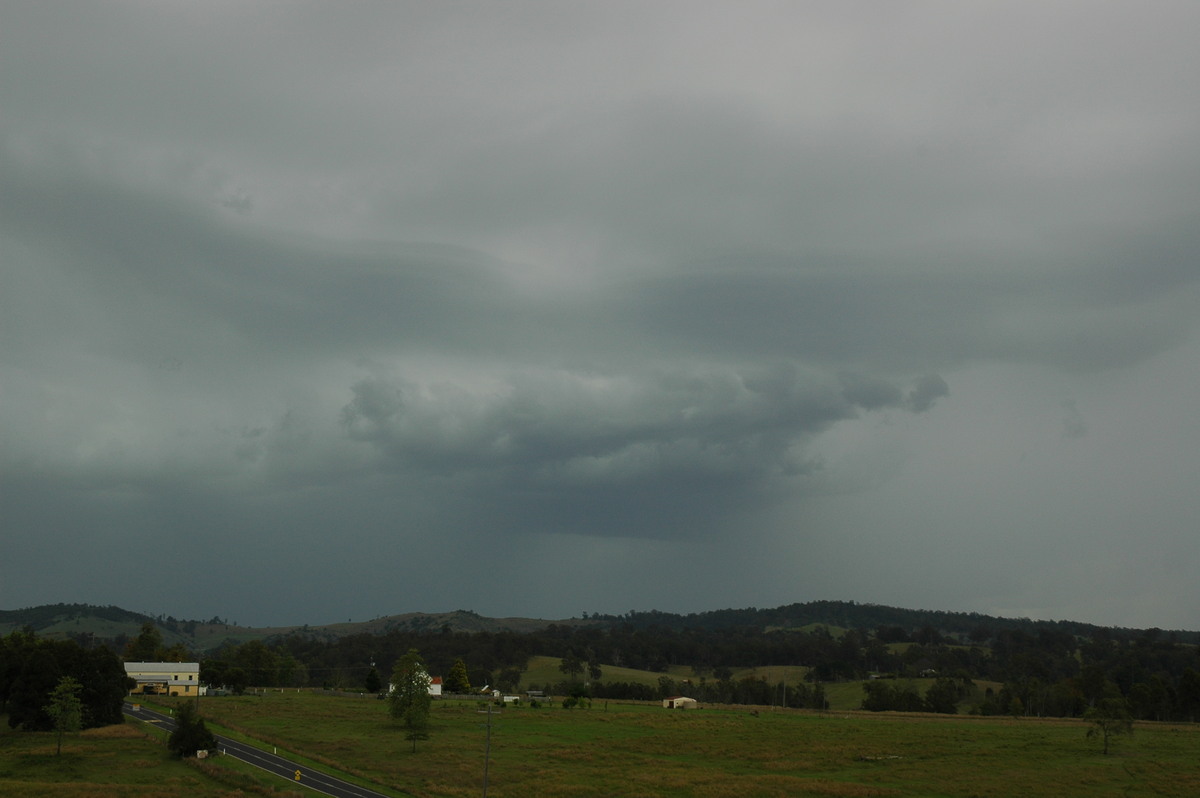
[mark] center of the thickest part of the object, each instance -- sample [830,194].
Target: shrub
[190,735]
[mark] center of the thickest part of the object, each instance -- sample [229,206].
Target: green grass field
[124,760]
[619,749]
[643,750]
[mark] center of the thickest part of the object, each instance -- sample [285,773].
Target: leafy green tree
[509,679]
[65,709]
[1151,699]
[457,680]
[212,672]
[147,646]
[13,650]
[236,680]
[372,682]
[409,701]
[942,696]
[30,668]
[289,670]
[1109,718]
[571,665]
[190,735]
[816,697]
[1187,700]
[260,663]
[39,673]
[877,696]
[882,696]
[593,667]
[104,685]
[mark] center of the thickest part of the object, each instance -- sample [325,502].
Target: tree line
[31,668]
[1043,670]
[1052,669]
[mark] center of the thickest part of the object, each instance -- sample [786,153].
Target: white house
[165,678]
[680,702]
[435,687]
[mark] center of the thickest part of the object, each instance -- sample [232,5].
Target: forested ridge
[1054,668]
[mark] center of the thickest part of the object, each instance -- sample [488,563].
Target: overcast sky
[317,311]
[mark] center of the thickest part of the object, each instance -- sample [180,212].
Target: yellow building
[165,678]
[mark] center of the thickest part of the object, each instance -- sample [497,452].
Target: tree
[593,667]
[65,709]
[882,696]
[105,685]
[1109,718]
[147,646]
[409,700]
[372,682]
[457,680]
[190,735]
[942,696]
[509,680]
[571,665]
[30,669]
[260,663]
[212,672]
[1187,697]
[236,680]
[27,695]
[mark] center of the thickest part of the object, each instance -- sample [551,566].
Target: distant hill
[48,616]
[114,626]
[852,615]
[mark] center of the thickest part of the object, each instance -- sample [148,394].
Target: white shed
[680,702]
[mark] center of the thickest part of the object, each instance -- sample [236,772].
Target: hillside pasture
[541,671]
[842,696]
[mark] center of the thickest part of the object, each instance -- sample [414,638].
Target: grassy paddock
[125,760]
[644,750]
[541,670]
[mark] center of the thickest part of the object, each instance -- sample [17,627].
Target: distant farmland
[644,750]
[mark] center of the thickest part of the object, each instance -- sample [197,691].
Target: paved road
[271,763]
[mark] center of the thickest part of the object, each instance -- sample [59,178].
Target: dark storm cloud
[778,293]
[619,455]
[564,426]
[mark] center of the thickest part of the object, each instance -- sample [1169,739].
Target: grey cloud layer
[536,276]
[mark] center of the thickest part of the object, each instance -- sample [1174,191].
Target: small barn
[680,702]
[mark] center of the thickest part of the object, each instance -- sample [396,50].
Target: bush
[190,735]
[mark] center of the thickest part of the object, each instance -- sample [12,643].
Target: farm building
[680,702]
[165,678]
[435,687]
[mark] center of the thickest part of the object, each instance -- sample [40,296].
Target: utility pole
[487,750]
